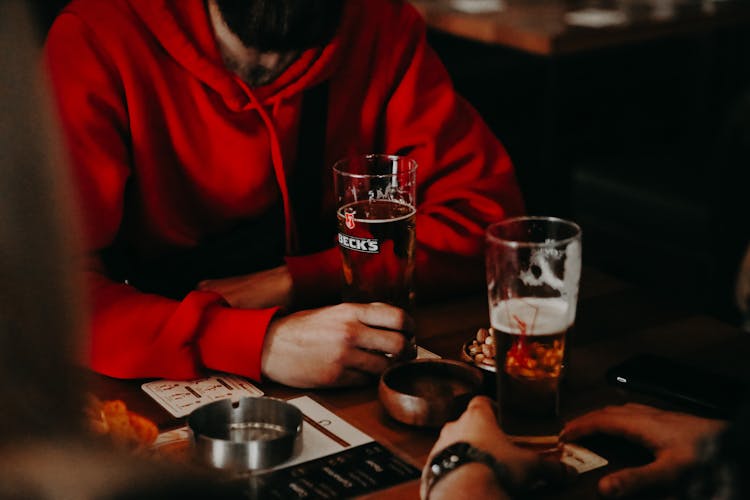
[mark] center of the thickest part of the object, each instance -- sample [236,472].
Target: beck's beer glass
[533,270]
[376,214]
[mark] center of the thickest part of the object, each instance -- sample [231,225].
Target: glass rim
[411,162]
[533,218]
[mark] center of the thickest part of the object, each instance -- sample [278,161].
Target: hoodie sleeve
[465,178]
[133,334]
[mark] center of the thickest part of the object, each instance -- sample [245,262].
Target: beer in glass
[376,214]
[533,271]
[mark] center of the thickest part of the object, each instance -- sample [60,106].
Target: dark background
[646,145]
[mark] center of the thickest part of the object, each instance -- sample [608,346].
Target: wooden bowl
[428,392]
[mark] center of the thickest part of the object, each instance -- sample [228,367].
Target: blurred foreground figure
[41,319]
[44,451]
[203,134]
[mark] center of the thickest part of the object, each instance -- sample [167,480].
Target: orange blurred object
[123,427]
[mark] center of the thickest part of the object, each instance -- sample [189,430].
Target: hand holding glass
[376,229]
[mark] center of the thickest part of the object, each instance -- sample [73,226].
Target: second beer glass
[376,211]
[533,270]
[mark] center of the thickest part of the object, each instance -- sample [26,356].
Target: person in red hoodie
[202,133]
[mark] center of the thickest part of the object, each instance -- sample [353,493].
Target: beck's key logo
[349,216]
[366,245]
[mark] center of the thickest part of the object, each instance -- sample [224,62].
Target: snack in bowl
[124,428]
[481,349]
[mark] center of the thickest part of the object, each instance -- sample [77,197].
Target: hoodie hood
[183,29]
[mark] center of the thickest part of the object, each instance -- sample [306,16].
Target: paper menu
[180,398]
[350,473]
[336,460]
[323,432]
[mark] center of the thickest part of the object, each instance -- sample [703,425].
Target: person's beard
[282,25]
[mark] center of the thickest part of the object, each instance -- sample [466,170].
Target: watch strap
[454,456]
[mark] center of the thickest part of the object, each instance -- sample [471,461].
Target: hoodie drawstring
[277,159]
[302,195]
[276,107]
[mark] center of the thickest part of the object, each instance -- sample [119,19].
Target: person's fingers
[226,284]
[379,315]
[607,421]
[230,291]
[368,362]
[636,408]
[385,341]
[206,285]
[627,482]
[480,403]
[584,425]
[479,413]
[483,406]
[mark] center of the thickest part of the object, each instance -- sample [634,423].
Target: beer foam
[542,316]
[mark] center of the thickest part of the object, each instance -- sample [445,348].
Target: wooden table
[614,321]
[541,27]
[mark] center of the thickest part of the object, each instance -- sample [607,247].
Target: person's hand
[478,427]
[672,437]
[260,290]
[339,345]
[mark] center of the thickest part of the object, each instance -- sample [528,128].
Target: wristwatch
[456,455]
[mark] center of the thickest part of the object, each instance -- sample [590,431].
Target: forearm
[137,335]
[474,481]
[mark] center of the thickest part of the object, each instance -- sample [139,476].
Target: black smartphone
[714,394]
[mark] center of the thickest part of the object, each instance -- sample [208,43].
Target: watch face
[452,456]
[447,460]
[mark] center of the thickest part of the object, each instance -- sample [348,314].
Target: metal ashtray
[428,392]
[253,433]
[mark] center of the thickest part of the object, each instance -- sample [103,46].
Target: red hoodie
[168,147]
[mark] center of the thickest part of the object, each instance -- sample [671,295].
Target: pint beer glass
[376,222]
[533,270]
